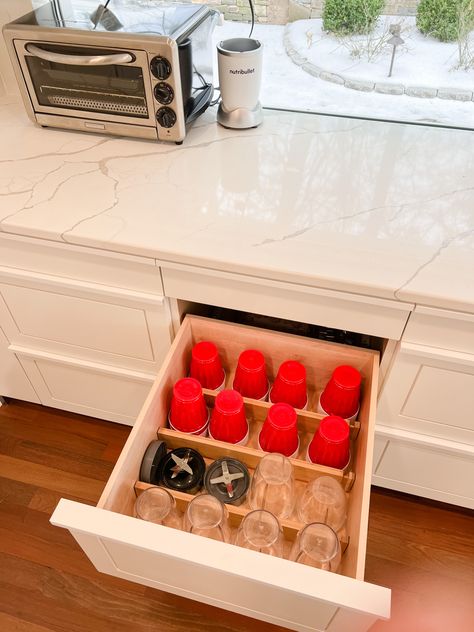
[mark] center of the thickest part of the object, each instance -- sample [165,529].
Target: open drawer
[276,590]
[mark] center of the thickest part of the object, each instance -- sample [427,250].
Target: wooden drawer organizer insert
[320,358]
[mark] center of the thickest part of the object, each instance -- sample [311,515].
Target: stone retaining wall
[392,7]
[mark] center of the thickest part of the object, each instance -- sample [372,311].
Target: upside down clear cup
[341,395]
[206,365]
[157,505]
[330,445]
[261,531]
[207,516]
[317,545]
[323,500]
[290,385]
[279,432]
[273,486]
[188,411]
[250,375]
[228,421]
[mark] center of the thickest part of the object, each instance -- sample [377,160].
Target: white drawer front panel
[291,595]
[87,389]
[372,316]
[425,469]
[431,392]
[441,328]
[80,322]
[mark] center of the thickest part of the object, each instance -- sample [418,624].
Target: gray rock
[298,59]
[455,94]
[421,92]
[390,88]
[359,84]
[311,69]
[331,77]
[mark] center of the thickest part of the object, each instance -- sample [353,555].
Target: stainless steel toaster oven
[147,73]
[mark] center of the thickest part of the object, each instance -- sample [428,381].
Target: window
[342,67]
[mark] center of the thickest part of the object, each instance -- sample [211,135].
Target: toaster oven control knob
[160,67]
[164,93]
[166,117]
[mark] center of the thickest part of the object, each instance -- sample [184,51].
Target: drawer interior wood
[320,358]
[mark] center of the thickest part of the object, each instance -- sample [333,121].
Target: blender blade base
[240,118]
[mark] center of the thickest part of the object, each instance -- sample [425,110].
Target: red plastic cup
[206,365]
[279,432]
[342,393]
[330,445]
[290,385]
[228,421]
[250,376]
[188,411]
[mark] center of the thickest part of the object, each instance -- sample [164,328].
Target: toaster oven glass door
[108,89]
[61,84]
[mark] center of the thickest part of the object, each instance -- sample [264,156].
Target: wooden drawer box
[271,589]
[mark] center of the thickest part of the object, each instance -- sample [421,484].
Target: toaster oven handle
[80,60]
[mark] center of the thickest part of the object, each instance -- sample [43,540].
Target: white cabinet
[425,416]
[90,329]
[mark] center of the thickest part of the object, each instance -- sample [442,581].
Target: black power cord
[252,13]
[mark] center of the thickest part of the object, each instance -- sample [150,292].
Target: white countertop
[374,208]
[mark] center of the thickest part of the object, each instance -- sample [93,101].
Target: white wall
[9,10]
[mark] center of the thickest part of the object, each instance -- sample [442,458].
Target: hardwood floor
[423,551]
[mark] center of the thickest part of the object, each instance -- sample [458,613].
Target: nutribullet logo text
[242,72]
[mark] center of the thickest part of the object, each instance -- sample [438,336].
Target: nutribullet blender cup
[240,77]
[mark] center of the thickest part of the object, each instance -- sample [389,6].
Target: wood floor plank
[50,478]
[13,624]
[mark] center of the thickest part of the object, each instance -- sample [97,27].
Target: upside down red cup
[330,445]
[206,365]
[250,375]
[228,421]
[279,432]
[342,393]
[188,411]
[290,385]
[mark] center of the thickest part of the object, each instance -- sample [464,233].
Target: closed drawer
[430,391]
[86,321]
[441,329]
[424,466]
[340,310]
[13,379]
[88,388]
[257,585]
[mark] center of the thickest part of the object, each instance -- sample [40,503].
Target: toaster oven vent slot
[98,105]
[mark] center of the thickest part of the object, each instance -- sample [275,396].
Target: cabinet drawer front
[377,317]
[430,391]
[441,328]
[254,584]
[88,323]
[86,388]
[410,464]
[13,379]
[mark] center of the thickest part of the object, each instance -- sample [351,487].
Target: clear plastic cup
[261,531]
[207,516]
[157,505]
[324,501]
[273,486]
[317,545]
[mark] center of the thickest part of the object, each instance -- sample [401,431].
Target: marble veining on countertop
[375,208]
